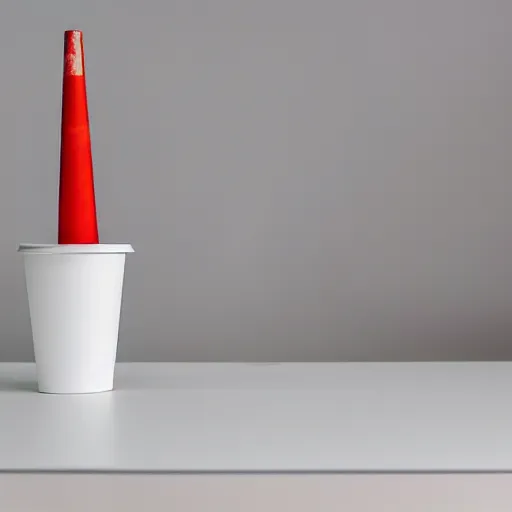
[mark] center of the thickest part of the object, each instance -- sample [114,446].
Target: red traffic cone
[77,205]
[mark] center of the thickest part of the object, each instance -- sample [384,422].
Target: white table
[297,430]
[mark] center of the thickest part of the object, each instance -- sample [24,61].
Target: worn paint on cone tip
[77,205]
[73,53]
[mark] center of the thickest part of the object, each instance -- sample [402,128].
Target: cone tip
[73,53]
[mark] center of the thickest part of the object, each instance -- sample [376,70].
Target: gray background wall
[301,180]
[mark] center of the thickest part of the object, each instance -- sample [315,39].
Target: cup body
[75,304]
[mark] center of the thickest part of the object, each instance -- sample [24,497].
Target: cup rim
[75,248]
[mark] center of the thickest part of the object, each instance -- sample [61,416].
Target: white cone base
[75,303]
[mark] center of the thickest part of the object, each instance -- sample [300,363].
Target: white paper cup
[74,294]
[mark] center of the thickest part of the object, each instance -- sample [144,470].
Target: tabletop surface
[243,417]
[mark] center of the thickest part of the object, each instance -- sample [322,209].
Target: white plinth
[307,418]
